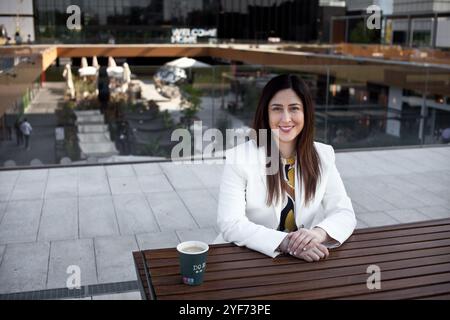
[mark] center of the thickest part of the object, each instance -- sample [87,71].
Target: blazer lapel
[262,173]
[300,209]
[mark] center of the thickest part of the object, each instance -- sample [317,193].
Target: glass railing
[357,105]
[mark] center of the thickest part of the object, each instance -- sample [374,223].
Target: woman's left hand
[299,239]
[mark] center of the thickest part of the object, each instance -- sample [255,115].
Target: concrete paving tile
[62,186]
[64,172]
[369,201]
[28,191]
[181,176]
[349,166]
[443,160]
[114,258]
[147,169]
[134,295]
[368,165]
[170,212]
[376,219]
[435,212]
[398,199]
[207,235]
[397,182]
[442,175]
[398,160]
[124,185]
[8,178]
[20,222]
[18,274]
[407,215]
[134,214]
[394,162]
[35,175]
[97,217]
[210,175]
[360,224]
[433,198]
[154,183]
[118,171]
[426,157]
[214,192]
[445,151]
[59,220]
[357,207]
[158,240]
[96,172]
[95,185]
[2,250]
[444,194]
[425,181]
[67,253]
[202,206]
[6,193]
[3,206]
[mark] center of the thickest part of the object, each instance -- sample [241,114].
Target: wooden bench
[414,260]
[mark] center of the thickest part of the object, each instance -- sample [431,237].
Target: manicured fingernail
[295,252]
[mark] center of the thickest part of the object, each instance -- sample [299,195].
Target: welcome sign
[187,35]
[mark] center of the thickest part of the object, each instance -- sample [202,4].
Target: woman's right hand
[314,252]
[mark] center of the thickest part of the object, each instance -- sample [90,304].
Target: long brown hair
[308,162]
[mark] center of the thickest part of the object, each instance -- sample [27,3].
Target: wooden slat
[397,233]
[140,269]
[342,292]
[445,296]
[411,225]
[410,247]
[411,293]
[338,287]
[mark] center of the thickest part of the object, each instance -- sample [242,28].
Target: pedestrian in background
[19,134]
[26,129]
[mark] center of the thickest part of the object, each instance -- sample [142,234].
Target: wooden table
[414,260]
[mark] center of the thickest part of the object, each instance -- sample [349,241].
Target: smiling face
[286,114]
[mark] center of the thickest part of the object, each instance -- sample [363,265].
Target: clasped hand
[305,244]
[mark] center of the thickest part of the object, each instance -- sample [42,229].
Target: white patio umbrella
[67,74]
[86,70]
[126,80]
[126,73]
[84,62]
[115,72]
[113,69]
[95,62]
[186,63]
[111,62]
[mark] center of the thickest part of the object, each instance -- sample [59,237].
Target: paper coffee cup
[192,256]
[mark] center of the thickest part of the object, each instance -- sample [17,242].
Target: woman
[272,212]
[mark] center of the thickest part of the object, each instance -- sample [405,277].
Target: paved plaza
[94,217]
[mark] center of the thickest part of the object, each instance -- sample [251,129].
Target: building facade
[152,21]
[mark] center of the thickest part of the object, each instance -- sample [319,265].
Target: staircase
[49,97]
[93,135]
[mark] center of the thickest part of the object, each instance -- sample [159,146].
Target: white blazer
[244,218]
